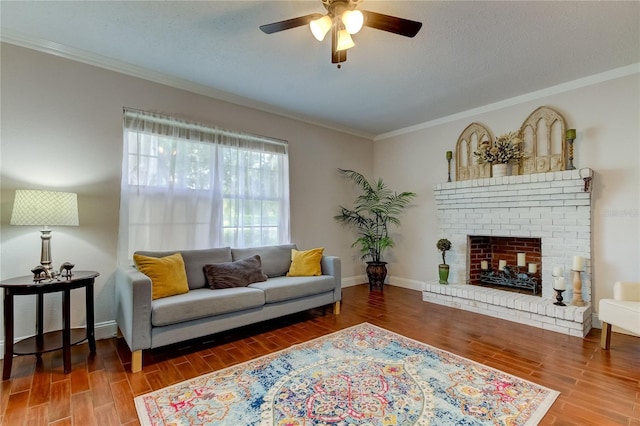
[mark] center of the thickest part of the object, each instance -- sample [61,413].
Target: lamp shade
[353,20]
[46,208]
[344,40]
[320,27]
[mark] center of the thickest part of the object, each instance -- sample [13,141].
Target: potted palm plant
[374,210]
[443,245]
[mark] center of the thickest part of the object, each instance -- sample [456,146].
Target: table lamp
[45,208]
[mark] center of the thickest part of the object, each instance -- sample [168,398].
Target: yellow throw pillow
[168,276]
[305,263]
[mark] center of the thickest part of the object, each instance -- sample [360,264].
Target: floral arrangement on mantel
[504,150]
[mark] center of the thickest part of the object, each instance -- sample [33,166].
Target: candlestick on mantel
[577,289]
[570,136]
[522,259]
[449,157]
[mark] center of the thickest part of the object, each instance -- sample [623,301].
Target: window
[188,186]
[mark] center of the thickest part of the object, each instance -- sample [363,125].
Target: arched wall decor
[543,135]
[467,166]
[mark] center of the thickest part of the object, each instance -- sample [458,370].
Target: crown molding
[553,90]
[90,58]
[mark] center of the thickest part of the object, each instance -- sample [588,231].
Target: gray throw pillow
[240,273]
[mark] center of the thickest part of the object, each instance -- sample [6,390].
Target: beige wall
[606,116]
[61,128]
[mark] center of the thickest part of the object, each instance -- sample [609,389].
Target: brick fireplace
[552,208]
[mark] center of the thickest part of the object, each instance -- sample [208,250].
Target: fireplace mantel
[529,185]
[554,206]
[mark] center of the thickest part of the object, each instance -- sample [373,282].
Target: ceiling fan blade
[337,56]
[289,23]
[392,24]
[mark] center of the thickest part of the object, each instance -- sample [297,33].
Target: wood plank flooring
[597,387]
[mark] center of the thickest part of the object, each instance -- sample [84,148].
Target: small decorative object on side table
[571,136]
[67,267]
[449,157]
[54,340]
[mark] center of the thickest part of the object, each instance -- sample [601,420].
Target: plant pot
[499,170]
[376,272]
[443,271]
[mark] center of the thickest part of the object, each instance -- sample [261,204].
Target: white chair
[622,311]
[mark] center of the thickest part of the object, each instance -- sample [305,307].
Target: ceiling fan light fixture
[353,21]
[320,27]
[344,41]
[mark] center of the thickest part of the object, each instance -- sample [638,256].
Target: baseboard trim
[406,283]
[390,280]
[355,280]
[103,330]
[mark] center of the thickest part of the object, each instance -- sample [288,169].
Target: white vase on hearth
[499,170]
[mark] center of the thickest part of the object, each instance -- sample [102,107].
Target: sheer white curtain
[188,186]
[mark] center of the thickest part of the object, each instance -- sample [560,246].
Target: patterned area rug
[363,375]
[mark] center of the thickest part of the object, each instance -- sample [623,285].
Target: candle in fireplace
[533,268]
[501,265]
[522,259]
[484,265]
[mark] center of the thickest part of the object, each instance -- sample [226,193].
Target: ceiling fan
[343,19]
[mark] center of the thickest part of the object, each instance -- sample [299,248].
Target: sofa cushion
[167,274]
[275,259]
[240,273]
[202,303]
[194,260]
[279,289]
[305,263]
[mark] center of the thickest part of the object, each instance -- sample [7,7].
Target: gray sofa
[145,323]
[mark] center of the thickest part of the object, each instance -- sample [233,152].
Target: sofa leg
[336,308]
[605,338]
[136,361]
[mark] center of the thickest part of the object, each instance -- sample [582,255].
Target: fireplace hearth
[545,217]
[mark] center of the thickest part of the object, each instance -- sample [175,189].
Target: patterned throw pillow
[240,273]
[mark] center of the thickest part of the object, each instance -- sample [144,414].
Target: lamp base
[45,251]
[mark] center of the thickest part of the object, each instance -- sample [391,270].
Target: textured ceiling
[468,54]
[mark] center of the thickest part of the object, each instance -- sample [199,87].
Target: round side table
[54,340]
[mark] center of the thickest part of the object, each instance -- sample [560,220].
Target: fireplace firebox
[508,263]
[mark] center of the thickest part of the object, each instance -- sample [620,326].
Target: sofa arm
[625,290]
[331,265]
[133,307]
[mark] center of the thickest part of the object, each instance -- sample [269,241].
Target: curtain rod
[158,117]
